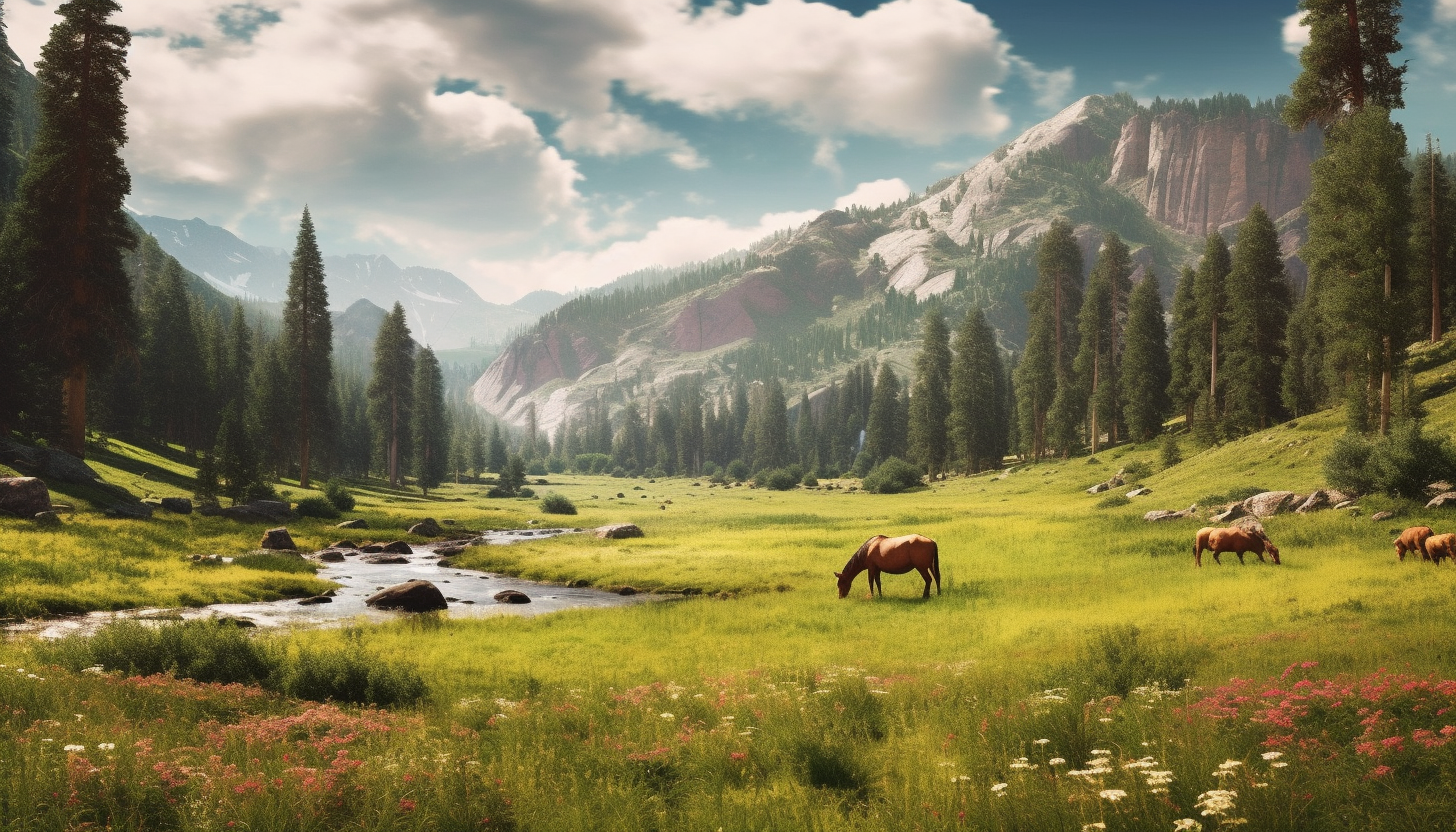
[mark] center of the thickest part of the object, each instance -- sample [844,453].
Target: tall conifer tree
[391,392]
[1433,244]
[1210,288]
[1046,368]
[1146,372]
[430,421]
[1346,64]
[978,402]
[1258,311]
[173,387]
[62,242]
[1184,384]
[930,402]
[884,433]
[771,433]
[308,334]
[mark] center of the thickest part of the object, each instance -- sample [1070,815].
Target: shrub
[737,470]
[1117,659]
[1136,470]
[536,468]
[779,479]
[496,492]
[1113,501]
[525,492]
[317,507]
[810,481]
[555,503]
[711,468]
[592,463]
[1170,455]
[892,476]
[347,675]
[337,494]
[1399,465]
[1347,466]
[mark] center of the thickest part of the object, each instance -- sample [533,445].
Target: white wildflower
[106,746]
[1272,755]
[960,778]
[74,748]
[666,715]
[95,668]
[1280,764]
[1090,827]
[1101,752]
[1112,795]
[1184,824]
[1216,801]
[1057,761]
[1042,741]
[1229,765]
[998,788]
[1104,719]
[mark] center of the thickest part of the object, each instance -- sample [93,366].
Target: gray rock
[426,528]
[1382,515]
[386,560]
[410,596]
[277,539]
[447,551]
[47,518]
[1443,499]
[1229,514]
[1269,503]
[371,548]
[511,596]
[1157,516]
[1345,504]
[1138,492]
[317,599]
[330,556]
[344,544]
[1319,501]
[272,508]
[177,505]
[1251,525]
[24,496]
[619,531]
[49,462]
[1439,487]
[130,510]
[398,547]
[1098,488]
[357,523]
[627,590]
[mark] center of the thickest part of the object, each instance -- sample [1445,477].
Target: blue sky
[528,144]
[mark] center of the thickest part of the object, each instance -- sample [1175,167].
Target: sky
[557,144]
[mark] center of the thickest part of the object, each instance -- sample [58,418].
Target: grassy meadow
[1077,671]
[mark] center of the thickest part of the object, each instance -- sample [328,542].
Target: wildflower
[1278,765]
[1145,762]
[95,668]
[1216,801]
[960,778]
[1229,765]
[1112,795]
[1057,761]
[1104,719]
[666,715]
[106,746]
[1091,827]
[1184,824]
[406,805]
[1042,741]
[998,789]
[1099,752]
[1272,755]
[74,748]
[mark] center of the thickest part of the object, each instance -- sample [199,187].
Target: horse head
[844,583]
[1271,550]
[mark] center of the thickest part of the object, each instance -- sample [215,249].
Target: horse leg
[875,579]
[1241,558]
[925,573]
[1197,555]
[1215,557]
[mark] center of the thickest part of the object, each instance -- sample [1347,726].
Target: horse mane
[864,549]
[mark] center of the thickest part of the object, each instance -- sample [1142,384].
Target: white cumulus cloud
[1445,11]
[874,194]
[1296,36]
[624,134]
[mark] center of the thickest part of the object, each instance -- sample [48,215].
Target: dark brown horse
[1233,539]
[896,555]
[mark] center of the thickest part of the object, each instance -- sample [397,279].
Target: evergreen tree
[1146,373]
[172,386]
[391,392]
[237,461]
[1184,384]
[1210,288]
[884,433]
[495,453]
[11,164]
[1258,311]
[429,421]
[1346,64]
[1097,324]
[806,435]
[930,402]
[528,442]
[208,487]
[978,416]
[629,450]
[61,248]
[1302,385]
[1359,236]
[269,409]
[771,447]
[1044,381]
[308,338]
[1433,244]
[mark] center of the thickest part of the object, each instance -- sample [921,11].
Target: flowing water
[471,594]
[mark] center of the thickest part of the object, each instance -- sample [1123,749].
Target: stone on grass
[1382,515]
[177,505]
[24,496]
[1156,516]
[1229,514]
[277,539]
[426,528]
[1443,499]
[1269,503]
[357,523]
[619,531]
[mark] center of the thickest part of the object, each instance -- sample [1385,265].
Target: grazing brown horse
[1441,546]
[1413,539]
[896,555]
[1232,539]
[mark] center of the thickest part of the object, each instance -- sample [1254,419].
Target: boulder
[1098,488]
[445,563]
[426,528]
[343,544]
[1230,514]
[331,556]
[1138,492]
[410,596]
[1382,515]
[1443,499]
[1439,487]
[511,596]
[24,496]
[1269,503]
[627,590]
[357,523]
[136,510]
[619,531]
[447,551]
[317,599]
[177,505]
[1317,501]
[1251,525]
[277,539]
[386,560]
[398,547]
[47,518]
[1345,504]
[1155,516]
[51,462]
[371,548]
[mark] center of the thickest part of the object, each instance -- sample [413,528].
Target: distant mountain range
[442,310]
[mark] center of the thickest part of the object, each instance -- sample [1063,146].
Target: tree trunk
[73,401]
[1092,403]
[393,441]
[1213,372]
[1435,271]
[1385,369]
[303,420]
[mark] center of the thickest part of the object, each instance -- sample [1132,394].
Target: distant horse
[1413,539]
[1441,546]
[896,555]
[1232,539]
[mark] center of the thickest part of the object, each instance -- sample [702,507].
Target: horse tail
[935,564]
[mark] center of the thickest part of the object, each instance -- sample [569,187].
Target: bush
[892,476]
[347,675]
[1169,455]
[810,481]
[1399,465]
[337,494]
[1113,501]
[555,503]
[556,465]
[591,463]
[779,479]
[1136,470]
[1117,659]
[525,492]
[317,507]
[738,470]
[711,469]
[536,468]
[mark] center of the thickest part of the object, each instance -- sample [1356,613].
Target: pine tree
[1359,229]
[237,459]
[308,338]
[61,248]
[1146,372]
[930,403]
[806,435]
[1210,288]
[978,416]
[391,392]
[172,385]
[1184,384]
[771,447]
[1302,385]
[629,450]
[528,441]
[270,407]
[1346,64]
[429,421]
[11,164]
[1097,324]
[1048,405]
[495,453]
[1433,244]
[1258,311]
[884,432]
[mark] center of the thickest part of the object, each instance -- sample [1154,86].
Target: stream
[471,594]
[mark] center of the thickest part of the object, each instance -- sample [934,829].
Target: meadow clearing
[1077,670]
